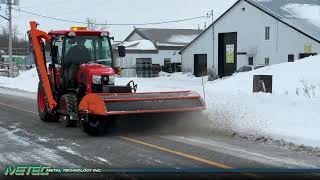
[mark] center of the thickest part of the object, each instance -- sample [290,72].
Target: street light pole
[25,49]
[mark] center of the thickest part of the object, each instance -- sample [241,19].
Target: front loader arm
[36,37]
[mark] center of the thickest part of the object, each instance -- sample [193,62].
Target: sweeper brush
[136,103]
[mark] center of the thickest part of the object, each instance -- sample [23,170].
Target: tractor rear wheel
[68,104]
[43,106]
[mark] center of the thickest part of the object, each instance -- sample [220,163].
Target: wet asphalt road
[150,141]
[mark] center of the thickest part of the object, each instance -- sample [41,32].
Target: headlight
[112,79]
[96,79]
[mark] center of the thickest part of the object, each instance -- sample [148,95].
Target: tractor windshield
[85,49]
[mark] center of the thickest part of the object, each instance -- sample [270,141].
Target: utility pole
[25,49]
[211,13]
[9,3]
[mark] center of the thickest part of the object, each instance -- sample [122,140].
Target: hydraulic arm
[37,38]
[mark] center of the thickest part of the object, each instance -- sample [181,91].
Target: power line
[48,17]
[111,24]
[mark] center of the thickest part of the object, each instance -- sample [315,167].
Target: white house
[255,32]
[159,45]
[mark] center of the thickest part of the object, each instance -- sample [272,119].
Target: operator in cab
[77,54]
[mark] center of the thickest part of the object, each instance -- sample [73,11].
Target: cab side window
[58,43]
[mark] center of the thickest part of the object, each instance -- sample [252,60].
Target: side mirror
[122,51]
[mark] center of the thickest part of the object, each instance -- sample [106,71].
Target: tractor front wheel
[94,125]
[98,125]
[69,104]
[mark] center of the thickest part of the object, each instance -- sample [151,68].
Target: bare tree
[15,33]
[104,27]
[92,25]
[4,30]
[18,42]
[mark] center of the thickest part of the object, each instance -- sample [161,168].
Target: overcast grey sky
[117,11]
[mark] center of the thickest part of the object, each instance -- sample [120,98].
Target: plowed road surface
[151,141]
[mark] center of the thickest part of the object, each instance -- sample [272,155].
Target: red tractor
[78,85]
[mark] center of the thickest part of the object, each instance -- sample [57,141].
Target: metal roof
[277,9]
[166,37]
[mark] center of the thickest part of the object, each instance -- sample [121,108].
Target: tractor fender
[93,104]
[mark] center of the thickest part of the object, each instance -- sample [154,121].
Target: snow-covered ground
[27,80]
[290,113]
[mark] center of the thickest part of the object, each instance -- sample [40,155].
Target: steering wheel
[133,86]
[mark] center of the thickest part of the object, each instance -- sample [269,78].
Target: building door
[227,50]
[250,60]
[200,65]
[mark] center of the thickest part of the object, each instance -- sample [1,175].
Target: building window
[167,61]
[267,33]
[304,55]
[250,61]
[291,58]
[267,61]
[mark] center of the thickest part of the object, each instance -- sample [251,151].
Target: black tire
[97,125]
[94,126]
[43,109]
[68,103]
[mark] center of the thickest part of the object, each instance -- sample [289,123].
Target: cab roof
[79,32]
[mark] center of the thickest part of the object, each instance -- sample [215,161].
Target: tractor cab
[79,54]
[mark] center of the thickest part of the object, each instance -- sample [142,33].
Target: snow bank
[300,78]
[290,113]
[27,81]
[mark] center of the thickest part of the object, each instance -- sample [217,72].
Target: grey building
[159,45]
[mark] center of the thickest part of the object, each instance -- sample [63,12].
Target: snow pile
[182,39]
[139,45]
[27,81]
[291,112]
[300,78]
[304,11]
